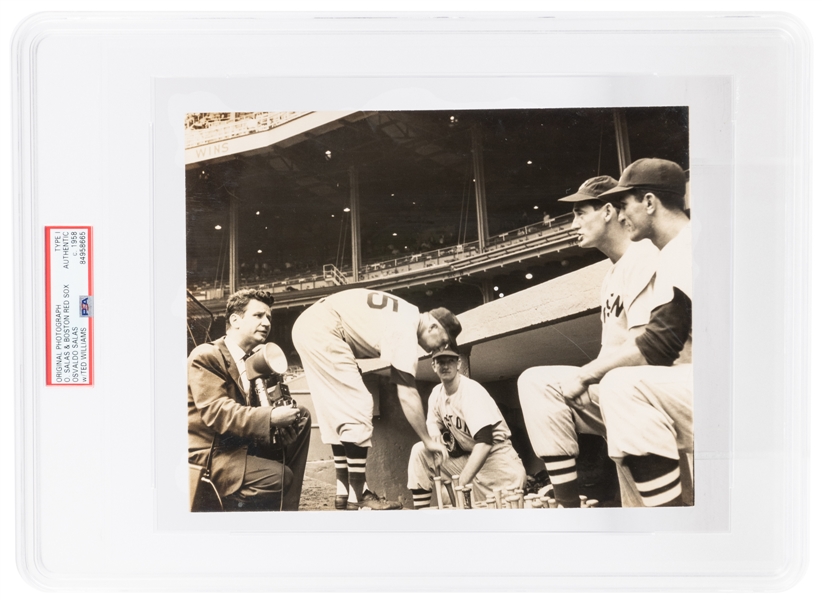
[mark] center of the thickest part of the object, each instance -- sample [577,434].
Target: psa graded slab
[407,284]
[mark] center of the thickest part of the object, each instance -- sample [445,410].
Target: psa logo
[86,305]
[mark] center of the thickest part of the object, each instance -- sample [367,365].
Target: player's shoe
[341,502]
[546,492]
[370,501]
[534,483]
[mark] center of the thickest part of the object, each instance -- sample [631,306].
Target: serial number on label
[78,240]
[70,306]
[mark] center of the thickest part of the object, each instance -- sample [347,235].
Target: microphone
[268,360]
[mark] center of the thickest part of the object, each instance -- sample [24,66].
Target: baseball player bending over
[466,418]
[551,421]
[329,336]
[646,386]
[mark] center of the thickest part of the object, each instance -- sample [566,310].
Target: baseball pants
[343,405]
[266,476]
[502,469]
[648,410]
[553,425]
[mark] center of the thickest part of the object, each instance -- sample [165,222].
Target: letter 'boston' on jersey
[626,296]
[378,324]
[469,410]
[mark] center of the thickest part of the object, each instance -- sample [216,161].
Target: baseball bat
[450,489]
[438,490]
[460,498]
[457,489]
[491,501]
[466,492]
[498,497]
[438,487]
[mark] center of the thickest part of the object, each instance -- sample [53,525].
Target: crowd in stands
[427,250]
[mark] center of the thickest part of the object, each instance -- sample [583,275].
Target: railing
[509,242]
[198,320]
[333,275]
[513,240]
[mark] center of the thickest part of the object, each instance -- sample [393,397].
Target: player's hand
[574,391]
[287,435]
[283,416]
[436,448]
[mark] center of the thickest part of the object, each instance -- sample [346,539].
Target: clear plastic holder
[103,483]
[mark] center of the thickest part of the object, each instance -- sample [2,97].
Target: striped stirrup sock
[563,473]
[422,498]
[657,479]
[355,458]
[341,469]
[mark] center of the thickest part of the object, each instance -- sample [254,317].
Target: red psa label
[69,306]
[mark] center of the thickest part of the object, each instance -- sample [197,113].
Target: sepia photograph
[438,310]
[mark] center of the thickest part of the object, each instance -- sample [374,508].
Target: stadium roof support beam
[487,291]
[479,187]
[354,205]
[233,254]
[622,143]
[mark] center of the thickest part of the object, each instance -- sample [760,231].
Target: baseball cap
[591,189]
[652,173]
[450,323]
[444,352]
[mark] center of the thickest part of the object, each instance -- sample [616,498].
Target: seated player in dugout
[646,385]
[553,422]
[464,416]
[258,453]
[329,336]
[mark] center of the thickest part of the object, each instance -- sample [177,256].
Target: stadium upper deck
[430,204]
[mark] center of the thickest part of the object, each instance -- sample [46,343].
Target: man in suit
[250,470]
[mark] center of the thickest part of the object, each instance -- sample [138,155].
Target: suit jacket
[217,406]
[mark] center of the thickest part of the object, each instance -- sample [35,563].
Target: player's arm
[482,448]
[658,344]
[434,431]
[218,410]
[411,405]
[433,421]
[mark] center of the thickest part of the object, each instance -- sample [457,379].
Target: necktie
[243,377]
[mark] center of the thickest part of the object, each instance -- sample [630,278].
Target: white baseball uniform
[649,409]
[469,410]
[626,304]
[331,334]
[552,425]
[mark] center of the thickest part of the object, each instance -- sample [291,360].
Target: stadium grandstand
[454,208]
